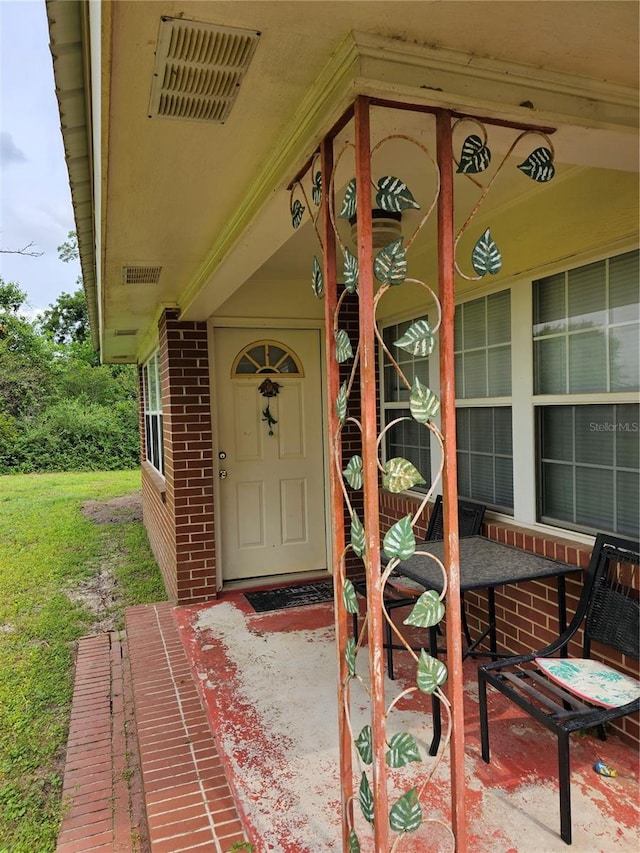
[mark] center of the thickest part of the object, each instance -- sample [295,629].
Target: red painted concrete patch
[268,684]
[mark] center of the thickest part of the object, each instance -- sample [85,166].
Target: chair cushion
[591,680]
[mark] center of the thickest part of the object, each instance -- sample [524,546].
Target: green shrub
[79,436]
[8,437]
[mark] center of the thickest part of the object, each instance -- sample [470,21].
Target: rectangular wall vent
[198,70]
[141,275]
[125,333]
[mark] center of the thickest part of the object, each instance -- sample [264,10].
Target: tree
[25,250]
[60,409]
[67,319]
[16,331]
[68,251]
[12,297]
[26,358]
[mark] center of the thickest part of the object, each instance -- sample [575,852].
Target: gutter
[70,49]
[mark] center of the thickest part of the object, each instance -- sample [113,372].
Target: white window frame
[152,404]
[487,402]
[572,399]
[523,401]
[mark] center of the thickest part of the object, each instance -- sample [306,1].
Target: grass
[49,550]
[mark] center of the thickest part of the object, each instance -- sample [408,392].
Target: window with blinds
[589,466]
[485,456]
[153,413]
[586,329]
[482,344]
[407,438]
[586,333]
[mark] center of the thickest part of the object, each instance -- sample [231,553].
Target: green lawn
[49,551]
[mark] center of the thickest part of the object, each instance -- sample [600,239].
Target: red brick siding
[157,516]
[158,520]
[351,436]
[527,613]
[180,519]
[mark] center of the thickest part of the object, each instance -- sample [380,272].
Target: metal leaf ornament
[423,403]
[350,271]
[344,350]
[427,611]
[297,212]
[394,195]
[357,535]
[316,189]
[431,673]
[400,475]
[399,540]
[341,403]
[317,279]
[349,202]
[418,340]
[354,844]
[349,597]
[474,157]
[406,814]
[350,656]
[539,165]
[364,745]
[353,472]
[365,797]
[268,418]
[486,257]
[390,264]
[403,748]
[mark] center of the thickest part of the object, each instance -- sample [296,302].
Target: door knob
[222,474]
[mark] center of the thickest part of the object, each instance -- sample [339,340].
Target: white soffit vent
[141,275]
[125,333]
[198,70]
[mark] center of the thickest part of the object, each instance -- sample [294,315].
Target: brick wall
[526,613]
[179,512]
[157,516]
[351,435]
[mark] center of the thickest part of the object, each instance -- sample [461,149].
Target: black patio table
[484,564]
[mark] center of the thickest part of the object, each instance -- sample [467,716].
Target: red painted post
[370,471]
[446,284]
[337,508]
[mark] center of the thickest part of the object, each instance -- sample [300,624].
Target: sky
[35,200]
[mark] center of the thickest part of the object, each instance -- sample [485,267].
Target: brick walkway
[187,800]
[102,800]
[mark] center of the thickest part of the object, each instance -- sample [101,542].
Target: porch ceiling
[207,203]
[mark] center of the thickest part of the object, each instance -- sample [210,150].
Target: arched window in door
[266,357]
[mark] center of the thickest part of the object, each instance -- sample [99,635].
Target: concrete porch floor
[144,774]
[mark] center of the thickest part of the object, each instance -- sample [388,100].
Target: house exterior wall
[178,509]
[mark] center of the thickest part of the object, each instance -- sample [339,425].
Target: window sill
[156,479]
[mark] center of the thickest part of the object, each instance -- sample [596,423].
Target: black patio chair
[470,516]
[572,694]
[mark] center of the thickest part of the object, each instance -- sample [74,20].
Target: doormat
[290,596]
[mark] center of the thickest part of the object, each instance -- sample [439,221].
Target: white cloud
[9,151]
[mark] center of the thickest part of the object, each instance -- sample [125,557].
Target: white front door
[271,509]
